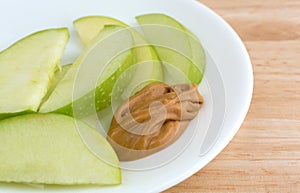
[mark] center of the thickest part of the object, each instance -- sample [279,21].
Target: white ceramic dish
[227,87]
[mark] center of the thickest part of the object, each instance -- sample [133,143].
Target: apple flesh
[55,149]
[89,27]
[177,47]
[57,78]
[27,69]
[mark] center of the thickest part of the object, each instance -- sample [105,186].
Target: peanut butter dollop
[153,119]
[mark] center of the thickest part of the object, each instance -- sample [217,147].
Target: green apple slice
[148,68]
[52,149]
[88,27]
[175,45]
[57,77]
[87,85]
[27,69]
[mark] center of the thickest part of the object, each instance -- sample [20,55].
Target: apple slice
[87,86]
[55,149]
[88,27]
[27,69]
[147,69]
[176,45]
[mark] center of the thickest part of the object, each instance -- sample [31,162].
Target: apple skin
[101,93]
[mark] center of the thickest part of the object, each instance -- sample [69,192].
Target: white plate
[227,87]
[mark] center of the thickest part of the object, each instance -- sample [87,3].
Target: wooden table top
[264,156]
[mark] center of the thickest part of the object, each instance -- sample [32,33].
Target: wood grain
[264,156]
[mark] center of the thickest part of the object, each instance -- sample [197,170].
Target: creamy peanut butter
[153,119]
